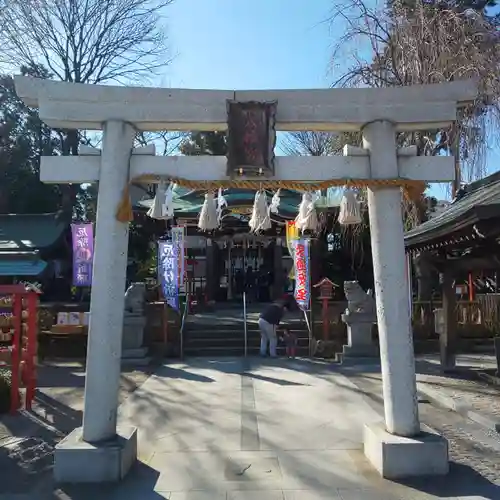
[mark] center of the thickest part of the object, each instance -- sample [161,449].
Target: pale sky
[257,44]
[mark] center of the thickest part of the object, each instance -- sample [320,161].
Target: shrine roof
[28,232]
[22,267]
[475,202]
[190,201]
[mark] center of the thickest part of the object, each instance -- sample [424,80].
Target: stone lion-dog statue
[135,298]
[358,301]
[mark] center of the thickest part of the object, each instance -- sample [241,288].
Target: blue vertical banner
[168,272]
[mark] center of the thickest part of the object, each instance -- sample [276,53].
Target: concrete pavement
[258,429]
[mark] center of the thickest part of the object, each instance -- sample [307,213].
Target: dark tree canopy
[23,138]
[204,143]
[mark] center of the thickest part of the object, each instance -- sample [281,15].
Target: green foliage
[204,143]
[23,138]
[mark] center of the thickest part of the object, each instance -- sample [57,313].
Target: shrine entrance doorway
[248,267]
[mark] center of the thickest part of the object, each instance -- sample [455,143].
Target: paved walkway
[27,440]
[266,430]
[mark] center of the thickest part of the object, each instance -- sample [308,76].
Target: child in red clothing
[290,343]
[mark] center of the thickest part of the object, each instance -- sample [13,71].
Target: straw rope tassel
[260,220]
[409,187]
[307,219]
[208,220]
[162,207]
[221,204]
[275,202]
[350,213]
[124,211]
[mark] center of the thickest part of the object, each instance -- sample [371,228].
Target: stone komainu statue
[135,297]
[358,301]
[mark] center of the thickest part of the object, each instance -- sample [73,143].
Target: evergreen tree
[205,143]
[23,139]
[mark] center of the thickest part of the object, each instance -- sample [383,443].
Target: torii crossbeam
[377,113]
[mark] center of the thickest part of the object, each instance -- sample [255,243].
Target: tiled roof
[21,267]
[465,210]
[20,232]
[191,202]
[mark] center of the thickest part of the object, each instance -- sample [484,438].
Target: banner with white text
[301,270]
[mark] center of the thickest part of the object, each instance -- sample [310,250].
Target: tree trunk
[69,191]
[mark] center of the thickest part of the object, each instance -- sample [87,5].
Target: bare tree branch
[85,41]
[308,144]
[418,43]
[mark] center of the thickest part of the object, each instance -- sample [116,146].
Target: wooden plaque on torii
[251,138]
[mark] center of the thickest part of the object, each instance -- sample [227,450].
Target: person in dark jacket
[269,320]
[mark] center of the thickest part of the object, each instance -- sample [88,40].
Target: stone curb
[482,418]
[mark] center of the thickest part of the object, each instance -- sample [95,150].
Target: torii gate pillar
[101,451]
[391,289]
[399,448]
[108,287]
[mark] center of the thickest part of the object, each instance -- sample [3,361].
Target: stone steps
[231,342]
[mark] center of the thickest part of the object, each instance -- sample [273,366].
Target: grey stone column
[108,287]
[278,269]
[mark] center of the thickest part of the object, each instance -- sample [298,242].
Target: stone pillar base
[133,331]
[359,336]
[396,457]
[136,357]
[363,351]
[133,353]
[76,461]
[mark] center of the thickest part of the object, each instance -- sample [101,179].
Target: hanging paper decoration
[260,220]
[307,219]
[163,205]
[168,207]
[208,220]
[350,212]
[221,204]
[275,202]
[302,292]
[168,273]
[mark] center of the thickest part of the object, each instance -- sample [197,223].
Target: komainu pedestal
[359,317]
[134,322]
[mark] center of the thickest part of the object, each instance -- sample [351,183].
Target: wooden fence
[481,316]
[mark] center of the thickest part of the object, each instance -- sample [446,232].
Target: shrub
[5,384]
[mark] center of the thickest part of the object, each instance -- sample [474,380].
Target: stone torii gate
[102,450]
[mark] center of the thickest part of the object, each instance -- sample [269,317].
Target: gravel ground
[27,440]
[464,387]
[473,447]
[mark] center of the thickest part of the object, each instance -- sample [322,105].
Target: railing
[245,322]
[480,314]
[467,312]
[181,330]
